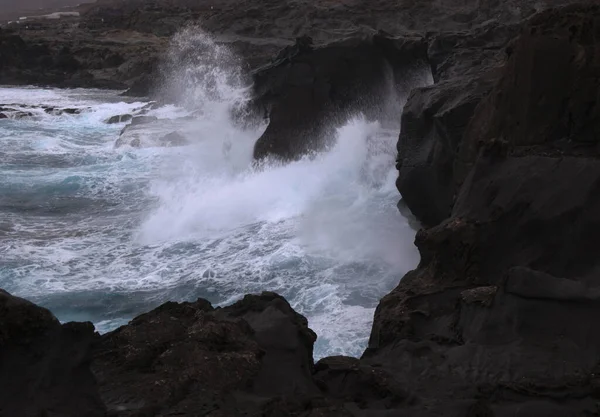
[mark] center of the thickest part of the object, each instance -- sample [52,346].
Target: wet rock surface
[118,44]
[498,159]
[150,131]
[120,118]
[507,285]
[308,91]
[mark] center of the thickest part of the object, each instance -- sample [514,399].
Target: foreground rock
[44,366]
[252,358]
[499,317]
[192,359]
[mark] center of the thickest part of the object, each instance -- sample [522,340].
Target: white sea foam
[136,227]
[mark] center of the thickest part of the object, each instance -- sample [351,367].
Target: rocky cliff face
[309,91]
[117,43]
[505,291]
[498,159]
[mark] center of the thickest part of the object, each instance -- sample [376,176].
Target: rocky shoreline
[498,159]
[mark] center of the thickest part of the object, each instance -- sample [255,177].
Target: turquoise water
[102,233]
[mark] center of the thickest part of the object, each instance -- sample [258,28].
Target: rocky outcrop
[498,318]
[496,321]
[44,366]
[465,67]
[558,111]
[192,359]
[252,358]
[119,44]
[120,118]
[150,131]
[48,53]
[308,91]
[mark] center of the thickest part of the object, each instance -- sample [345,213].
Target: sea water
[98,232]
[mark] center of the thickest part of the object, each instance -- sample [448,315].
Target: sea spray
[120,231]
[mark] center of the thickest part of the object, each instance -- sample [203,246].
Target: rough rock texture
[64,56]
[308,91]
[12,10]
[499,317]
[465,66]
[190,359]
[561,120]
[119,43]
[44,366]
[498,320]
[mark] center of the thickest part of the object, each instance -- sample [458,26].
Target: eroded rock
[465,67]
[307,92]
[507,283]
[120,118]
[174,139]
[191,359]
[44,366]
[140,120]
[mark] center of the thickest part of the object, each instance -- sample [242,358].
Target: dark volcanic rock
[286,340]
[121,118]
[348,379]
[58,112]
[174,139]
[308,91]
[3,116]
[141,87]
[190,359]
[433,124]
[499,316]
[465,67]
[51,55]
[564,119]
[140,120]
[117,44]
[44,366]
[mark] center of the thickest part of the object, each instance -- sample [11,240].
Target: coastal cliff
[498,160]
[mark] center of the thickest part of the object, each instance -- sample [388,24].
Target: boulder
[3,116]
[141,120]
[58,112]
[22,115]
[308,92]
[192,359]
[70,111]
[174,139]
[121,118]
[44,365]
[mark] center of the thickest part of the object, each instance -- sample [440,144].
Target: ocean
[101,230]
